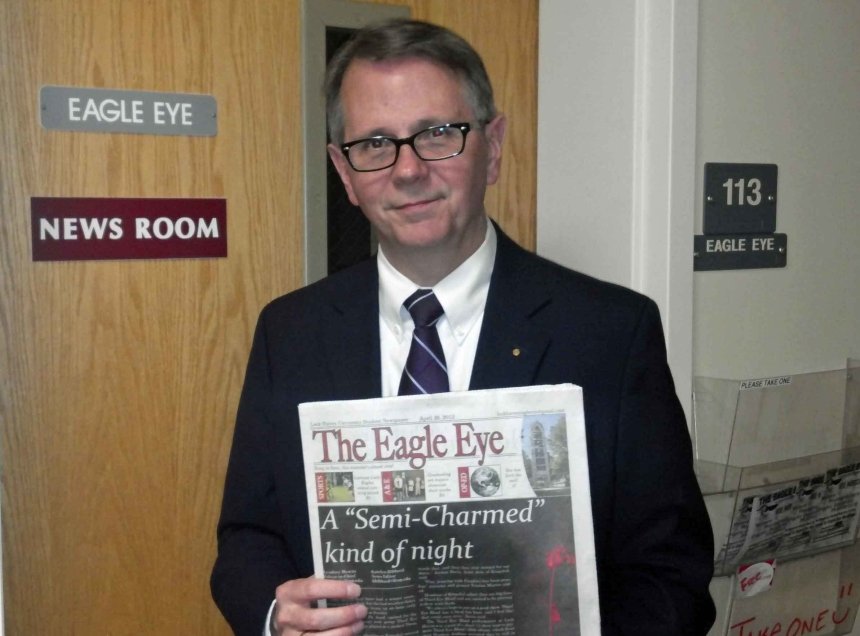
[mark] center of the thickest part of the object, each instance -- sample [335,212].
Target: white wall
[620,172]
[621,86]
[779,82]
[585,136]
[616,144]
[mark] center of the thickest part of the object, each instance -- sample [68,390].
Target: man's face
[420,209]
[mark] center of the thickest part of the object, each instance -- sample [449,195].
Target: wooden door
[120,378]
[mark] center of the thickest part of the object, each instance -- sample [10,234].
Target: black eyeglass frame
[464,127]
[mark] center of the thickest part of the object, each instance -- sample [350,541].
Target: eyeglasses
[431,144]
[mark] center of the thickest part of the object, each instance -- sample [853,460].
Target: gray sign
[739,251]
[740,198]
[120,111]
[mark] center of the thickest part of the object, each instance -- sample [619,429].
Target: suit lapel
[352,335]
[510,348]
[511,345]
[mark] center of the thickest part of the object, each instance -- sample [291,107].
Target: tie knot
[424,308]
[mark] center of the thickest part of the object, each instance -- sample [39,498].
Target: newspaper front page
[457,513]
[794,519]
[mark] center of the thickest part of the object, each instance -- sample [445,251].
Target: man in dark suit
[417,141]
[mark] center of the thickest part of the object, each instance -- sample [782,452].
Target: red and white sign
[463,482]
[755,578]
[84,228]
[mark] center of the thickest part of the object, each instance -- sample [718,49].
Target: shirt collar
[462,293]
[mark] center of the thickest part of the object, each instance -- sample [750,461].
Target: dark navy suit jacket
[653,537]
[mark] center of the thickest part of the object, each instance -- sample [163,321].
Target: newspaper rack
[778,460]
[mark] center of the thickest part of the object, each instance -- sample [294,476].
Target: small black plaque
[740,198]
[739,251]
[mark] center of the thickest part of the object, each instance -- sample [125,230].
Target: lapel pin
[516,352]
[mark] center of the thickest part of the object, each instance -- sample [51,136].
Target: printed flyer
[793,519]
[457,513]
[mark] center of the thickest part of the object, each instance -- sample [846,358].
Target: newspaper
[817,513]
[457,513]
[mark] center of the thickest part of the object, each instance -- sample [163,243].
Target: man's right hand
[294,615]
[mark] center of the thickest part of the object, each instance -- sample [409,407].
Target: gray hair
[401,39]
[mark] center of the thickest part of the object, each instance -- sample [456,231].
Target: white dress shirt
[463,296]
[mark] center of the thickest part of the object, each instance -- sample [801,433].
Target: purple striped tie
[425,371]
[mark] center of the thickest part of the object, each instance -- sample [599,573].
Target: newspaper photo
[457,513]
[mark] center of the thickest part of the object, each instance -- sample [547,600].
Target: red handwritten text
[826,619]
